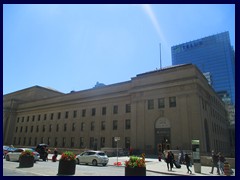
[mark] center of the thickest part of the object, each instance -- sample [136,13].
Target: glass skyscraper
[215,57]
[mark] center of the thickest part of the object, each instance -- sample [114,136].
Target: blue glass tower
[214,56]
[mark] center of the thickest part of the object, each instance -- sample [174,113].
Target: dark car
[42,149]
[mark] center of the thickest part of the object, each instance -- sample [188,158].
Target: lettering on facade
[162,123]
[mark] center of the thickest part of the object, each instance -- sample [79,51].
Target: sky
[72,47]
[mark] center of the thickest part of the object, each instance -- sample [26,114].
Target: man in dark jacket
[215,162]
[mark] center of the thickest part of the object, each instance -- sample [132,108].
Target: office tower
[214,56]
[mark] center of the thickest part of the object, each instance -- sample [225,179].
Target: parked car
[14,156]
[92,157]
[42,149]
[7,149]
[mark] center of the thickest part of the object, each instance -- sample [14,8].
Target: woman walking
[188,162]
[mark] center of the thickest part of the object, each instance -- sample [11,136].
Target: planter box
[66,167]
[137,171]
[26,161]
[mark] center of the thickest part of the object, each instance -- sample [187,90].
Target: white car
[14,156]
[92,157]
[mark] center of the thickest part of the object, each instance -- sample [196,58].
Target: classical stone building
[167,107]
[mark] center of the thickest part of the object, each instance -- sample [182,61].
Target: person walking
[215,163]
[55,154]
[171,160]
[188,163]
[221,160]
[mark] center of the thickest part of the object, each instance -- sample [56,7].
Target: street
[50,168]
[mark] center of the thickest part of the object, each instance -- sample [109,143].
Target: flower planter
[136,171]
[66,167]
[26,161]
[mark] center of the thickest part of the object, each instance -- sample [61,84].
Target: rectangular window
[21,129]
[65,127]
[150,104]
[18,119]
[128,124]
[161,103]
[82,126]
[102,143]
[43,128]
[172,101]
[50,128]
[26,129]
[35,141]
[33,118]
[55,141]
[115,109]
[59,115]
[31,129]
[103,125]
[51,116]
[114,143]
[19,141]
[72,141]
[81,142]
[48,140]
[127,142]
[66,114]
[39,117]
[37,128]
[73,126]
[29,141]
[83,112]
[92,126]
[16,129]
[93,111]
[57,127]
[63,142]
[24,141]
[104,110]
[45,116]
[115,124]
[91,143]
[28,119]
[74,114]
[128,108]
[22,119]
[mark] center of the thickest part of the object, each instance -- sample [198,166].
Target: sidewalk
[153,165]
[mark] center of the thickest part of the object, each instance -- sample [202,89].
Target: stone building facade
[167,107]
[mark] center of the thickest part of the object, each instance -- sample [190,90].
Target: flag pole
[160,56]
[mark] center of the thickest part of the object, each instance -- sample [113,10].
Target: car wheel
[7,158]
[77,161]
[94,162]
[104,164]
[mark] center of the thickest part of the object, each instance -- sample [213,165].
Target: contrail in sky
[150,13]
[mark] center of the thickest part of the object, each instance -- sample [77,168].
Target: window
[22,119]
[92,126]
[51,116]
[48,140]
[29,141]
[104,110]
[37,128]
[150,104]
[21,129]
[24,140]
[91,143]
[127,142]
[82,126]
[39,117]
[103,125]
[161,103]
[16,129]
[43,129]
[55,141]
[26,129]
[57,127]
[72,141]
[115,124]
[74,114]
[50,128]
[33,118]
[59,115]
[63,142]
[18,119]
[73,126]
[35,141]
[45,116]
[28,119]
[93,111]
[128,108]
[19,141]
[102,143]
[172,101]
[115,109]
[31,128]
[81,142]
[83,112]
[114,143]
[65,127]
[128,124]
[66,114]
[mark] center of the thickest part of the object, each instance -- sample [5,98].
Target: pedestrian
[172,159]
[215,163]
[188,163]
[221,160]
[168,159]
[55,154]
[160,156]
[180,157]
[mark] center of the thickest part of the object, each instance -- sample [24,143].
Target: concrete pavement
[153,165]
